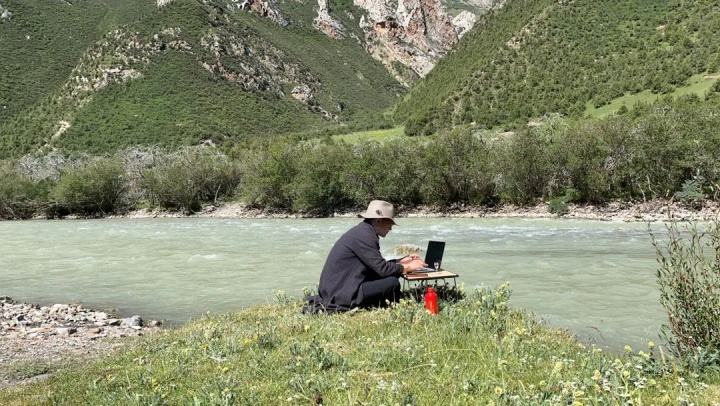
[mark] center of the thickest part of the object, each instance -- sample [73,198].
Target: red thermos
[431,300]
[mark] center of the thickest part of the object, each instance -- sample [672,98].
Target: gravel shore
[35,340]
[651,211]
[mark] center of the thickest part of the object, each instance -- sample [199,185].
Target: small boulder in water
[134,321]
[406,249]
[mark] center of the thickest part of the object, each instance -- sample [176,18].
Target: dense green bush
[390,171]
[20,196]
[185,179]
[523,167]
[689,279]
[457,170]
[267,169]
[97,187]
[318,183]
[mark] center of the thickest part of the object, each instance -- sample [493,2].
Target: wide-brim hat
[379,209]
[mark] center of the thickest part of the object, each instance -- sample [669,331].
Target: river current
[595,279]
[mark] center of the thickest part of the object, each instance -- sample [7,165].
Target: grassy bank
[477,351]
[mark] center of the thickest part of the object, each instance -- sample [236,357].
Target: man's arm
[368,252]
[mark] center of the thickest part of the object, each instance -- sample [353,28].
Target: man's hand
[412,264]
[408,259]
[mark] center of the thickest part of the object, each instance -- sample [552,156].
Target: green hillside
[98,75]
[534,57]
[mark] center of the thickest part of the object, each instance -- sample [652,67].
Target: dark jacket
[354,259]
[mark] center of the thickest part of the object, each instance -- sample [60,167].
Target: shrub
[456,170]
[267,170]
[390,171]
[558,206]
[186,179]
[689,279]
[20,196]
[318,184]
[523,163]
[691,193]
[97,188]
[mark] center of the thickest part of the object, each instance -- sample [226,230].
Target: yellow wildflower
[499,391]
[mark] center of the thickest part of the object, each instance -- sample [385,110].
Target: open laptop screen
[434,253]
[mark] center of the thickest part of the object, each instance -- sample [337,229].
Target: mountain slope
[534,57]
[96,75]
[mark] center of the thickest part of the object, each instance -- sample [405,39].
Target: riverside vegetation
[477,351]
[662,150]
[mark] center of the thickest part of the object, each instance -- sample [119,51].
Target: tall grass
[689,280]
[476,351]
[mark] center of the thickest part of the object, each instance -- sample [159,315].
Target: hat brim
[375,216]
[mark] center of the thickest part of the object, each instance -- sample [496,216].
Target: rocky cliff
[407,36]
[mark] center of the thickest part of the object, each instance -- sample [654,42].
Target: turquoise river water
[595,279]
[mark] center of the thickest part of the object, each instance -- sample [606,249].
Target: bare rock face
[407,36]
[413,33]
[326,24]
[5,14]
[262,8]
[463,22]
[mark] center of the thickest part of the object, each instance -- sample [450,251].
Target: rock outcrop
[463,22]
[261,8]
[412,33]
[259,66]
[407,36]
[325,23]
[5,14]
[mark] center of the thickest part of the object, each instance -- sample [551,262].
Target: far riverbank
[650,211]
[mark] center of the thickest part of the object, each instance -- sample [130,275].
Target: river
[596,279]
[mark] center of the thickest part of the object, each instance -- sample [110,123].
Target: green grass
[698,84]
[375,135]
[476,351]
[20,370]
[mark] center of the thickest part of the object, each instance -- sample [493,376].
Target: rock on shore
[54,333]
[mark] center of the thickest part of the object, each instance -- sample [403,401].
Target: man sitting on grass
[355,273]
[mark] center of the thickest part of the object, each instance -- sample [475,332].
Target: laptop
[434,253]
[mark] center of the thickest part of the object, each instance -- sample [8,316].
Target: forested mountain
[534,57]
[95,75]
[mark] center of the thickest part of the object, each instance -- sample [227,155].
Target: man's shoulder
[362,230]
